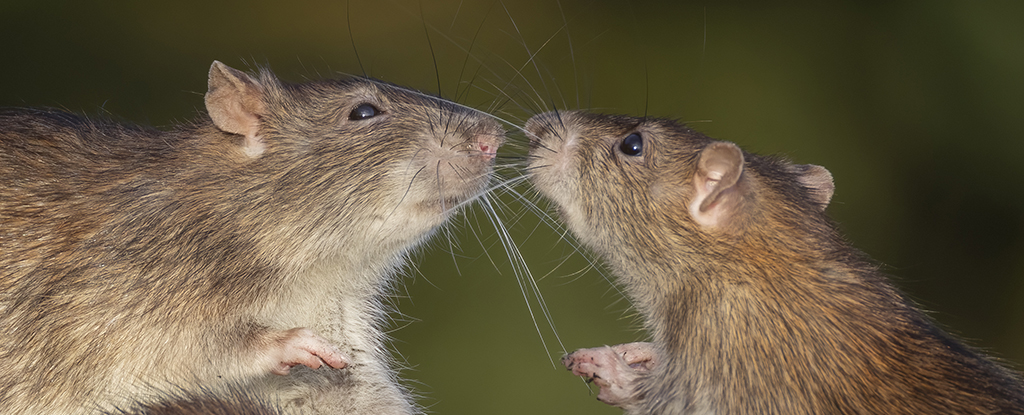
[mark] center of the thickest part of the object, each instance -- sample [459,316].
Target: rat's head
[651,192]
[351,157]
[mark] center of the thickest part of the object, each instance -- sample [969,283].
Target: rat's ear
[235,103]
[818,182]
[717,193]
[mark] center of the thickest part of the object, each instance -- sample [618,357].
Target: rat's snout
[553,153]
[550,131]
[540,126]
[478,138]
[459,156]
[488,138]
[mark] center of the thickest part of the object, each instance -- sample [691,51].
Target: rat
[250,246]
[753,301]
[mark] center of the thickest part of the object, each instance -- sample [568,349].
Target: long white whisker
[557,226]
[524,278]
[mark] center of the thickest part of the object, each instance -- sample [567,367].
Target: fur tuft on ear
[235,103]
[818,182]
[716,182]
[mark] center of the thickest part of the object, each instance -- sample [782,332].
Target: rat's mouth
[464,193]
[447,204]
[455,184]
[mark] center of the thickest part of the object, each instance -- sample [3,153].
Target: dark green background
[915,108]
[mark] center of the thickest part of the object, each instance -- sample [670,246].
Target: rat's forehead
[400,94]
[374,87]
[591,127]
[611,122]
[333,90]
[618,125]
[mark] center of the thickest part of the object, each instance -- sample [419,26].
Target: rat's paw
[639,355]
[300,346]
[614,369]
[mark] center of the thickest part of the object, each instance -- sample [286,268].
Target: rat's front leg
[614,369]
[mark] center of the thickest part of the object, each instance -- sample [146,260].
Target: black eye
[363,112]
[632,145]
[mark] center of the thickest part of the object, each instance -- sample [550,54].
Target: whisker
[572,54]
[565,235]
[524,278]
[355,50]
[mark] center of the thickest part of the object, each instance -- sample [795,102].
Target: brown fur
[753,301]
[132,259]
[234,400]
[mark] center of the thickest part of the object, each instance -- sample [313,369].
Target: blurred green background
[915,107]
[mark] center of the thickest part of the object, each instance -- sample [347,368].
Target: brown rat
[754,303]
[245,243]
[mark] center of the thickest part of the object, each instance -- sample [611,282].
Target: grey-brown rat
[227,250]
[754,302]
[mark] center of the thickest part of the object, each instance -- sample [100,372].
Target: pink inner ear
[819,181]
[711,182]
[718,172]
[235,104]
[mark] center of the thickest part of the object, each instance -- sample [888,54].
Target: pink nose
[487,151]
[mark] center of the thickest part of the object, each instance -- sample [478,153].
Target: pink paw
[614,369]
[300,346]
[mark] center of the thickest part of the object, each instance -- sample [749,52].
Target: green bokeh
[915,108]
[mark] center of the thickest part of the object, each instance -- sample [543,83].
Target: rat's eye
[363,111]
[632,145]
